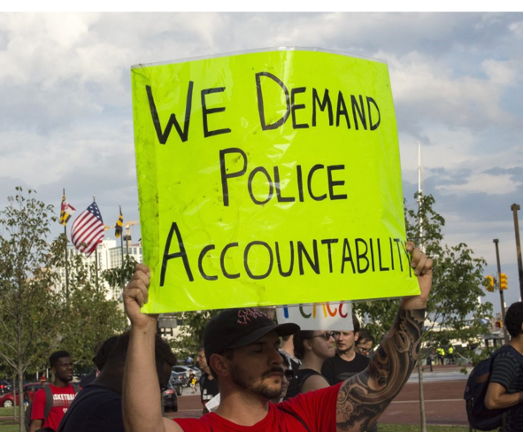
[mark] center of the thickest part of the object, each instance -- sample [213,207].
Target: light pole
[514,209]
[502,311]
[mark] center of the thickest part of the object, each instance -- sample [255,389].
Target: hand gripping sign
[269,178]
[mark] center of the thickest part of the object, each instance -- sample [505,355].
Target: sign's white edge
[235,53]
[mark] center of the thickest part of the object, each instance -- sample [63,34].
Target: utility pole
[502,310]
[514,208]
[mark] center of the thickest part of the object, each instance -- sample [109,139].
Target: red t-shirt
[315,409]
[62,399]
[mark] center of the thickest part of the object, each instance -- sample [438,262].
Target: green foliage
[117,277]
[191,336]
[28,304]
[90,316]
[453,310]
[27,301]
[36,318]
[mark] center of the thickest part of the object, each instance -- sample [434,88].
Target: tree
[453,310]
[27,302]
[117,277]
[90,317]
[191,336]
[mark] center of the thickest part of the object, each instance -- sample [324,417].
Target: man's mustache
[274,369]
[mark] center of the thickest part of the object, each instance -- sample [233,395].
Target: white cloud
[430,89]
[482,182]
[504,73]
[516,28]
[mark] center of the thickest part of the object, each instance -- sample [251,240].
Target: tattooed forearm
[364,397]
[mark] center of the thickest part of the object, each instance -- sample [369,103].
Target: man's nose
[276,358]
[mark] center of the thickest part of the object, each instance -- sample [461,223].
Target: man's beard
[260,389]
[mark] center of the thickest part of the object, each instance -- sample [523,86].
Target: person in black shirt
[505,384]
[98,406]
[347,362]
[208,385]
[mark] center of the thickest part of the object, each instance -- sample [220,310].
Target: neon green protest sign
[269,178]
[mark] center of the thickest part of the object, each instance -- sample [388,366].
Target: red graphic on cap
[245,315]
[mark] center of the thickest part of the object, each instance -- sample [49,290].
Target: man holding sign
[249,372]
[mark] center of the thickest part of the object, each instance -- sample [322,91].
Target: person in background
[98,406]
[365,342]
[288,350]
[62,390]
[192,381]
[505,383]
[208,385]
[440,355]
[102,351]
[347,361]
[286,378]
[363,346]
[451,355]
[312,348]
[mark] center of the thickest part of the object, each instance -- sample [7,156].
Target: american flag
[88,230]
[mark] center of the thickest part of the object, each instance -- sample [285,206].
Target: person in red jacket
[63,394]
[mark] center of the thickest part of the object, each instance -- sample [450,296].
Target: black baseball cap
[235,328]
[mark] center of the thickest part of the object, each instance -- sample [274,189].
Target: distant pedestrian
[505,385]
[192,381]
[440,355]
[365,342]
[208,384]
[451,355]
[61,389]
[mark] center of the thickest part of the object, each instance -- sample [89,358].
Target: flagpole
[122,247]
[66,264]
[421,229]
[96,260]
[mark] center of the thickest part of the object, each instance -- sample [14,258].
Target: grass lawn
[388,427]
[9,426]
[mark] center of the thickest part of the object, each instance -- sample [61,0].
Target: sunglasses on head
[326,335]
[289,374]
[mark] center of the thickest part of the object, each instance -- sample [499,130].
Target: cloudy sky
[66,114]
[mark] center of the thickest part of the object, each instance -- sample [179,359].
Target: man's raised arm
[364,397]
[141,392]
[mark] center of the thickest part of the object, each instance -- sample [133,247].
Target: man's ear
[356,336]
[220,364]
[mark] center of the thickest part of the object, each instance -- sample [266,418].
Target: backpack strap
[294,415]
[48,400]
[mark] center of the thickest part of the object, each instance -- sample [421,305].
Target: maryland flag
[119,225]
[66,210]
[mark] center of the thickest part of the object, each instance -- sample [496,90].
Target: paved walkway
[443,397]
